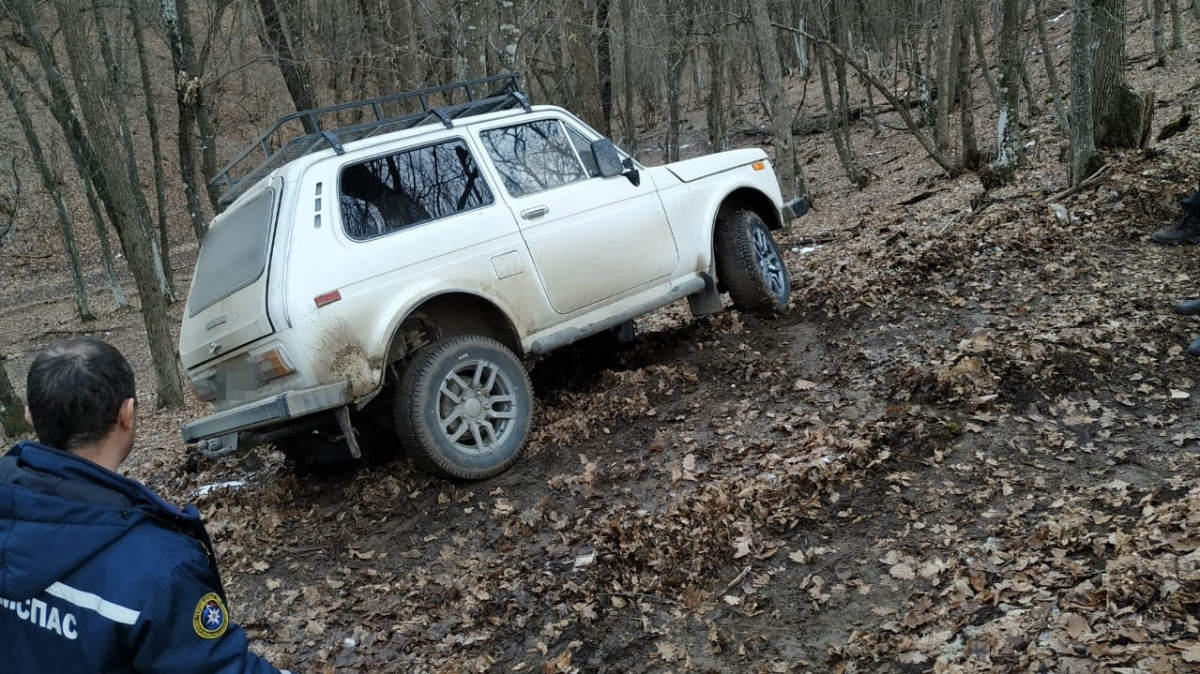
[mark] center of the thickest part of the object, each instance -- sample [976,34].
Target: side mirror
[632,173]
[608,160]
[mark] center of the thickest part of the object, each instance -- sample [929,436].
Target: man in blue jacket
[97,572]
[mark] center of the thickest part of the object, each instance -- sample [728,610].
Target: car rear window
[234,252]
[390,193]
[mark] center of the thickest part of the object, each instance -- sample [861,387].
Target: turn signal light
[758,165]
[271,365]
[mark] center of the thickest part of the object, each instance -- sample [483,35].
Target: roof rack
[300,133]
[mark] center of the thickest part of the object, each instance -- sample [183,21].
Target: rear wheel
[750,265]
[464,407]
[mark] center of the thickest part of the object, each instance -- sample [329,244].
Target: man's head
[81,398]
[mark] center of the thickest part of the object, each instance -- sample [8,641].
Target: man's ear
[28,417]
[127,415]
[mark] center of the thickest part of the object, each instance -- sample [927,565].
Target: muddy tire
[750,265]
[464,407]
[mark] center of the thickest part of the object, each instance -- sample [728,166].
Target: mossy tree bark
[1121,115]
[1084,157]
[12,410]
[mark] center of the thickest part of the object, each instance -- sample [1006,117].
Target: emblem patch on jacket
[210,619]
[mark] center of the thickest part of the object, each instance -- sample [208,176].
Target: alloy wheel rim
[770,265]
[476,407]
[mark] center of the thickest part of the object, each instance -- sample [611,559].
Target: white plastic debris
[231,484]
[1061,212]
[806,249]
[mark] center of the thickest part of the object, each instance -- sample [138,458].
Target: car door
[591,239]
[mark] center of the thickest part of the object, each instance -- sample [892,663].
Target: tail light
[205,389]
[271,365]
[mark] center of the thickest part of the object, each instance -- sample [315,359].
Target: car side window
[533,157]
[386,194]
[584,147]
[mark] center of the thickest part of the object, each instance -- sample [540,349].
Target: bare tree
[1176,25]
[1159,31]
[50,182]
[187,90]
[85,177]
[284,34]
[1056,93]
[790,179]
[1084,157]
[604,63]
[900,106]
[1008,143]
[1122,116]
[100,148]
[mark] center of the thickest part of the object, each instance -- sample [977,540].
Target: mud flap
[343,419]
[708,301]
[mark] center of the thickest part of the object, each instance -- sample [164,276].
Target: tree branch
[6,228]
[942,160]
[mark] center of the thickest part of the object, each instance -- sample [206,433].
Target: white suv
[405,264]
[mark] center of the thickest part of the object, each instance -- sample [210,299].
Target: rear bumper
[267,412]
[793,209]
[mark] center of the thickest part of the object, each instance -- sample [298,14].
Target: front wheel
[464,408]
[750,265]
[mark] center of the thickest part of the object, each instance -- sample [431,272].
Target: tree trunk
[1176,26]
[714,108]
[837,133]
[901,107]
[791,180]
[1122,116]
[116,188]
[946,73]
[472,36]
[284,41]
[628,124]
[199,101]
[187,85]
[981,53]
[12,410]
[1085,160]
[604,62]
[678,45]
[110,269]
[801,46]
[969,158]
[1039,19]
[160,197]
[50,182]
[579,36]
[67,121]
[161,271]
[1160,32]
[1008,143]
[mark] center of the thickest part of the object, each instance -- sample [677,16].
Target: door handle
[535,212]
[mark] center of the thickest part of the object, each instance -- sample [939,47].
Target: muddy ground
[969,445]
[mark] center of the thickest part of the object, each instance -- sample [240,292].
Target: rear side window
[387,194]
[233,254]
[533,157]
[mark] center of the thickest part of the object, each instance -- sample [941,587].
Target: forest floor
[970,445]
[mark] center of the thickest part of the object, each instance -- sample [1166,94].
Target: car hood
[701,167]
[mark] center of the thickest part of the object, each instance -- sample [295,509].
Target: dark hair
[75,389]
